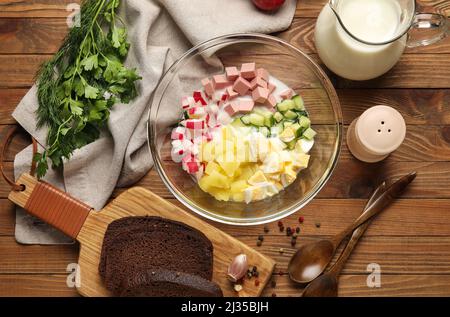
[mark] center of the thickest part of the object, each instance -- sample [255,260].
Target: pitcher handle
[427,29]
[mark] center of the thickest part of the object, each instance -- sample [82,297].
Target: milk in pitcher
[374,21]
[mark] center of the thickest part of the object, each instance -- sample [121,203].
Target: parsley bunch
[83,80]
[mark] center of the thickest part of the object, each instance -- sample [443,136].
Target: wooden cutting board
[138,201]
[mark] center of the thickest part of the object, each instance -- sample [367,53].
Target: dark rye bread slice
[166,283]
[132,225]
[135,244]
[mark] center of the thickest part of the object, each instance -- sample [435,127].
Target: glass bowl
[283,61]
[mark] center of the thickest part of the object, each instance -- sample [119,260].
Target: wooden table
[410,240]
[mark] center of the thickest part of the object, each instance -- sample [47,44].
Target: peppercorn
[297,229]
[317,224]
[249,274]
[301,219]
[289,231]
[293,242]
[259,243]
[256,274]
[280,224]
[254,269]
[274,295]
[281,229]
[266,229]
[261,237]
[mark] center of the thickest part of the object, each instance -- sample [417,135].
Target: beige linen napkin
[159,32]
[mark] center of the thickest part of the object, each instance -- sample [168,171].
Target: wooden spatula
[80,222]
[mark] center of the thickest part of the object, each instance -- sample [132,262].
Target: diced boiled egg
[272,164]
[277,145]
[287,135]
[304,145]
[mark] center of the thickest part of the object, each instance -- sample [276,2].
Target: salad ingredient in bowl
[244,136]
[211,184]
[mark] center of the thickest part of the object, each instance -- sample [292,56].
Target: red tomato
[268,5]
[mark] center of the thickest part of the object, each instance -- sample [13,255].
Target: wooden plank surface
[350,285]
[410,240]
[57,8]
[18,71]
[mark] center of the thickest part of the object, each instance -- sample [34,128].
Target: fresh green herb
[80,84]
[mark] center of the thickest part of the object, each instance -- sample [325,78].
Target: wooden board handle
[50,204]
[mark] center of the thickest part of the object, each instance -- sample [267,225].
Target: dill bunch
[77,88]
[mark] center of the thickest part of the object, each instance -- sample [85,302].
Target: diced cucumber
[302,113]
[291,145]
[304,122]
[269,121]
[264,131]
[256,119]
[280,126]
[245,119]
[286,105]
[278,116]
[309,134]
[298,102]
[297,130]
[290,115]
[238,123]
[287,123]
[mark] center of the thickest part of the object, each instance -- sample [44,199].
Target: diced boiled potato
[238,197]
[220,194]
[271,189]
[300,161]
[274,176]
[237,173]
[205,183]
[257,179]
[238,186]
[255,193]
[230,168]
[218,180]
[207,152]
[247,170]
[279,186]
[213,166]
[288,177]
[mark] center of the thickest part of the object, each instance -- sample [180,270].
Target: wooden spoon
[311,259]
[326,285]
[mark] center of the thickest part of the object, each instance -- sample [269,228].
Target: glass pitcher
[363,39]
